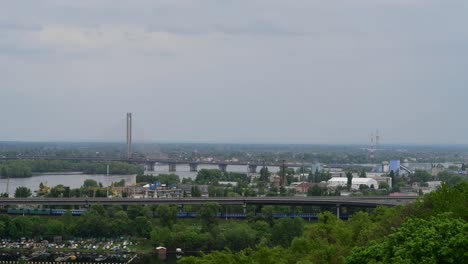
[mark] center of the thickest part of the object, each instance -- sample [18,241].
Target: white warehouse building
[356,182]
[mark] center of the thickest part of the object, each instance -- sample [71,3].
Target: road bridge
[150,163]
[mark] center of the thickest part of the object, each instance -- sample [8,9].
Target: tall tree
[285,229]
[316,175]
[363,174]
[90,183]
[268,214]
[314,191]
[208,213]
[349,175]
[264,174]
[195,191]
[392,176]
[22,192]
[167,215]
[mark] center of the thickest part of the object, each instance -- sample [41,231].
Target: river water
[75,180]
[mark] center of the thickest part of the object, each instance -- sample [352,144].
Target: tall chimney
[129,135]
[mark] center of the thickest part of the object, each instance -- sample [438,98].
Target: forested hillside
[432,230]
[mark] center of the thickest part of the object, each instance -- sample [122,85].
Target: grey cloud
[158,53]
[358,65]
[257,28]
[176,30]
[9,25]
[17,50]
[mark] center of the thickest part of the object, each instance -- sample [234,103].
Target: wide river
[75,180]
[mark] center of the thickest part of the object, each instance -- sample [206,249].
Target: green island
[26,168]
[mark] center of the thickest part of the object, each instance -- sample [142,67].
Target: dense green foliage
[319,176]
[223,184]
[214,176]
[236,235]
[167,215]
[420,176]
[160,225]
[207,214]
[15,169]
[90,188]
[25,168]
[440,239]
[452,179]
[433,230]
[22,192]
[97,222]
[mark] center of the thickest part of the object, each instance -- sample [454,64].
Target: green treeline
[213,234]
[169,179]
[204,176]
[25,168]
[431,230]
[160,226]
[213,176]
[97,222]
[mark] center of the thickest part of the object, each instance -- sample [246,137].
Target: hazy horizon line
[232,142]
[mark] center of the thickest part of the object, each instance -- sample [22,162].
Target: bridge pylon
[193,167]
[172,167]
[222,167]
[150,166]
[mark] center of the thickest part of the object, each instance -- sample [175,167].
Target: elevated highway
[244,201]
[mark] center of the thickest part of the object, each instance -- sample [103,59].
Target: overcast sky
[285,71]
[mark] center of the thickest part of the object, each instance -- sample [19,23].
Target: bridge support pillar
[172,167]
[338,211]
[222,167]
[150,166]
[193,167]
[252,168]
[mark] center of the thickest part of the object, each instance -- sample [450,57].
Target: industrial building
[356,182]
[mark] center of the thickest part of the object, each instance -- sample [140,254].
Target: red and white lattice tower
[377,141]
[372,148]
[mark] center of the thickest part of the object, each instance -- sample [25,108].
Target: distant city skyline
[218,71]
